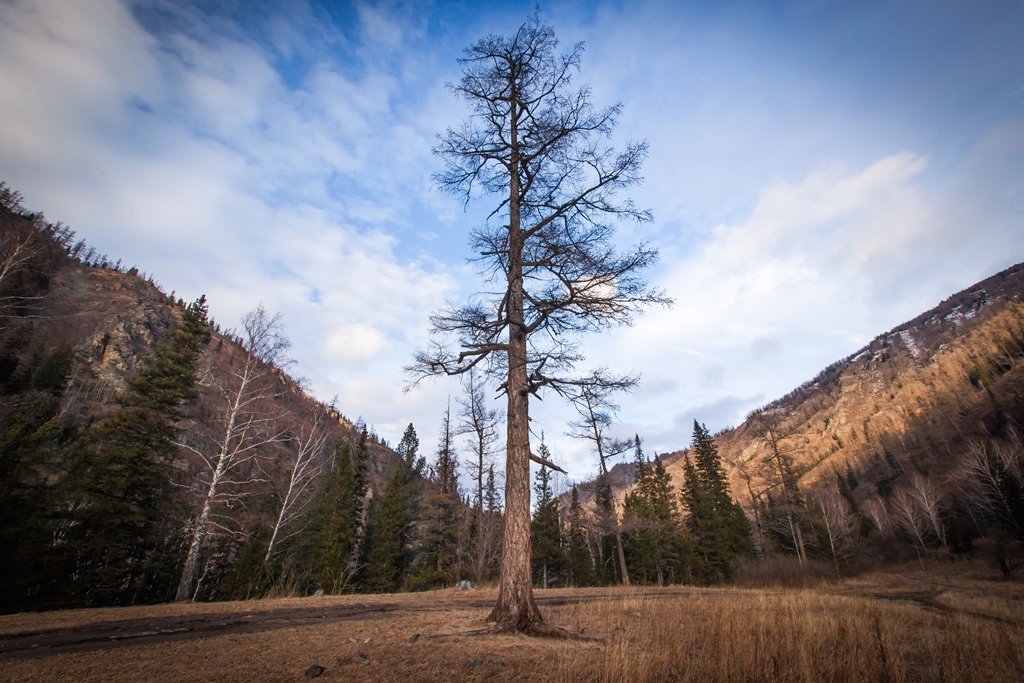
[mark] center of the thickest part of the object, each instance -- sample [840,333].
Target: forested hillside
[146,453]
[911,445]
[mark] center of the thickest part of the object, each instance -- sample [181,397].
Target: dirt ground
[425,636]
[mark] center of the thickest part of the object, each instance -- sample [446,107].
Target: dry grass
[794,636]
[886,627]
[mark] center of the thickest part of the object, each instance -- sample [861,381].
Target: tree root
[539,630]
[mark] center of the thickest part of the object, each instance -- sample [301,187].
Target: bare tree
[307,452]
[991,479]
[878,514]
[790,511]
[538,143]
[929,503]
[480,423]
[596,410]
[908,516]
[17,254]
[247,425]
[838,527]
[747,467]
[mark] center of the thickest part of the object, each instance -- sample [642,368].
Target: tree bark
[516,609]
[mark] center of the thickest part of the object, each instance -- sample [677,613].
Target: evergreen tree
[579,564]
[251,576]
[338,520]
[391,518]
[32,442]
[716,522]
[546,531]
[657,542]
[117,492]
[439,555]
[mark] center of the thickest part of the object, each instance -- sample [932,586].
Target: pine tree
[338,521]
[579,564]
[546,531]
[439,555]
[391,518]
[32,442]
[118,487]
[716,522]
[605,551]
[658,544]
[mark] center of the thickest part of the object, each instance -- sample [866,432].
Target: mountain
[898,432]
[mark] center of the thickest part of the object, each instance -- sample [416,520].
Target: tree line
[658,535]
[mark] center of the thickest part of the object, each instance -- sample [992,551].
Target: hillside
[914,443]
[915,408]
[77,335]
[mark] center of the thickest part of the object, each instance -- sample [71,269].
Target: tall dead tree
[539,145]
[479,422]
[248,423]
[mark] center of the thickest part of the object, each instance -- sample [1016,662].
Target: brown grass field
[950,623]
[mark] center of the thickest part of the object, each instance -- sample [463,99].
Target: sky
[818,174]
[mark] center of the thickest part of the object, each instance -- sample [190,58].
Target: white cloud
[353,343]
[807,277]
[190,157]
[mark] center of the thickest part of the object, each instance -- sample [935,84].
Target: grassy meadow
[941,624]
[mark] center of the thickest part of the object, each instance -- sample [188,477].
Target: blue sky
[819,173]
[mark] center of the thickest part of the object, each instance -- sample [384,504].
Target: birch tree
[991,478]
[307,453]
[537,144]
[908,516]
[248,423]
[838,526]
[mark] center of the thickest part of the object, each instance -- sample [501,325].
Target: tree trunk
[516,609]
[623,571]
[188,572]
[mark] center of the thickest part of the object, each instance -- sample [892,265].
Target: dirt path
[166,628]
[159,629]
